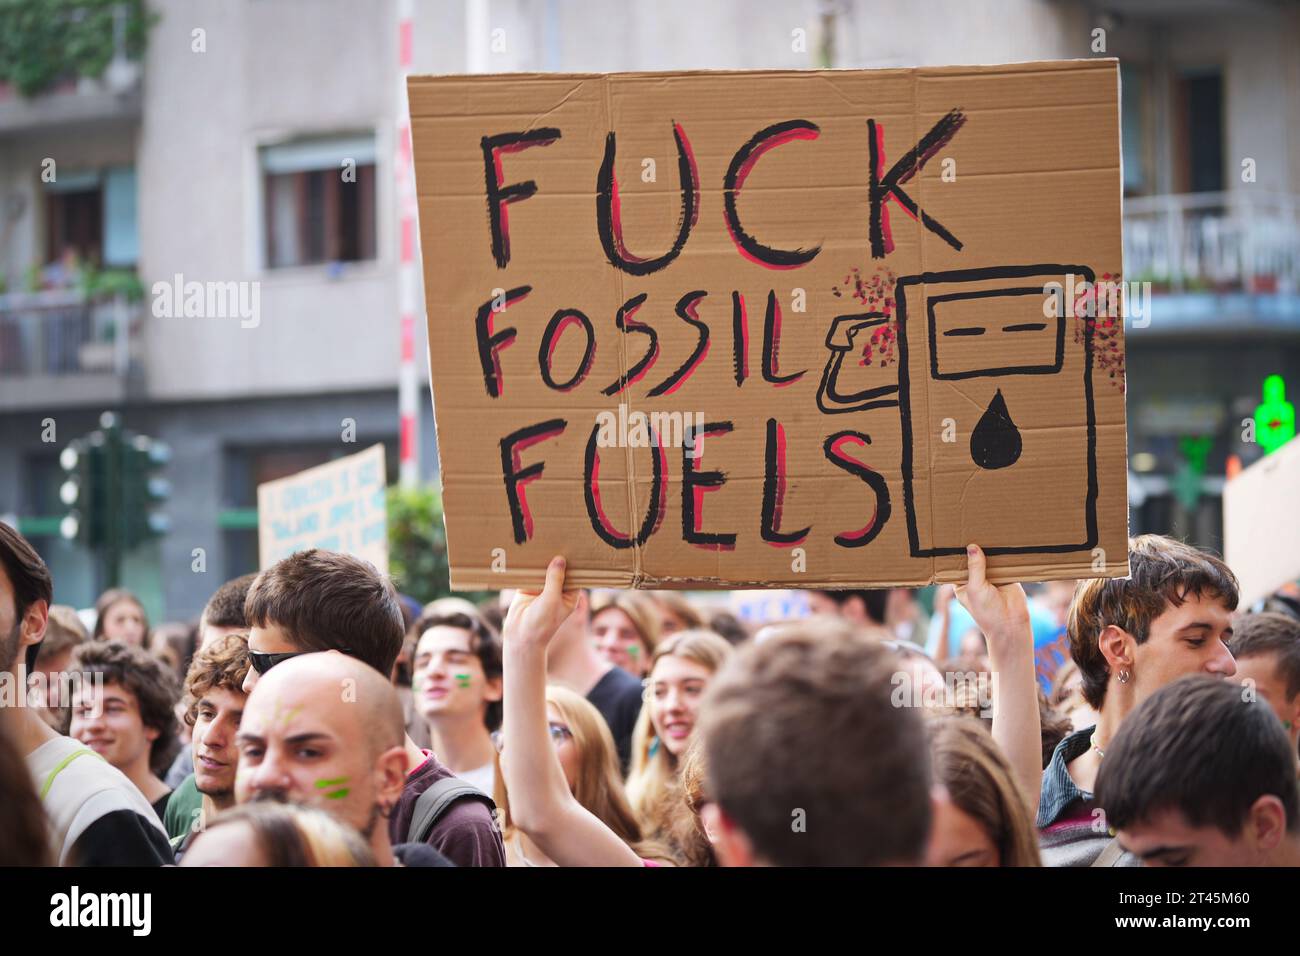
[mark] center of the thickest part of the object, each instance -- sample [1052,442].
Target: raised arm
[541,803]
[1002,614]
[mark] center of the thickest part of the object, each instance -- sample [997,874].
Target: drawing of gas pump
[835,395]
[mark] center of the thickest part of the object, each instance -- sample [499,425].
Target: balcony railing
[61,333]
[1214,242]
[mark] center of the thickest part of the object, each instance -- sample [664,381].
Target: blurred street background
[221,164]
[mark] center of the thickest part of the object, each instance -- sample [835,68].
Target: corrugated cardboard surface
[1032,195]
[1261,526]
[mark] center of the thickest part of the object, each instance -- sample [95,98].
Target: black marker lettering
[835,453]
[694,485]
[742,164]
[609,216]
[516,477]
[774,490]
[490,342]
[685,308]
[500,195]
[886,186]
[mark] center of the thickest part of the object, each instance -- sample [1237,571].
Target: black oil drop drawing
[995,442]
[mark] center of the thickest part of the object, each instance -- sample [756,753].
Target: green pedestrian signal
[1274,417]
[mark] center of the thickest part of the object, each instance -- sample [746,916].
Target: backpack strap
[1110,854]
[437,800]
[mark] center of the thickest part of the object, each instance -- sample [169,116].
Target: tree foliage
[417,545]
[44,41]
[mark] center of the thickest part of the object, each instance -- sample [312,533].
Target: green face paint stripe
[337,794]
[322,784]
[462,679]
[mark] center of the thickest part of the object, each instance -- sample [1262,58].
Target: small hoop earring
[1123,677]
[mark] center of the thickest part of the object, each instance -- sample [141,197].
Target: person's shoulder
[72,774]
[120,837]
[469,810]
[617,684]
[419,854]
[178,817]
[54,754]
[426,775]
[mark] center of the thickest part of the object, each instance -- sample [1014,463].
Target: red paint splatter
[1094,316]
[876,294]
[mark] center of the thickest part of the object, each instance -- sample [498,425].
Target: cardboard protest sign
[1261,527]
[798,329]
[339,506]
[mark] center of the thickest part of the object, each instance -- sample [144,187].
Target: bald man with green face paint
[326,730]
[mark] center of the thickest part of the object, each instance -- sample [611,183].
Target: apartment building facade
[220,157]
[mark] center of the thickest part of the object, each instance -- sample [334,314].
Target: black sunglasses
[264,662]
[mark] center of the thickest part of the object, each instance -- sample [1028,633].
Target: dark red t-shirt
[466,834]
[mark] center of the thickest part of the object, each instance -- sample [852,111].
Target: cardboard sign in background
[838,277]
[338,506]
[1261,526]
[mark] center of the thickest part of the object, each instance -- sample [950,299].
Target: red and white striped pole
[408,274]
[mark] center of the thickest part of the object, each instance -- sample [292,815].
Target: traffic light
[72,491]
[111,488]
[84,491]
[143,488]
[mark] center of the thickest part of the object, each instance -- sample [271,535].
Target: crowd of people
[316,717]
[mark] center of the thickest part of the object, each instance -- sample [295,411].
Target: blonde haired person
[688,835]
[278,834]
[625,627]
[585,748]
[542,803]
[982,818]
[680,672]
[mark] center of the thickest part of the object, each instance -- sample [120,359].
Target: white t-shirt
[87,797]
[483,777]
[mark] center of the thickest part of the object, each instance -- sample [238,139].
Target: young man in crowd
[214,706]
[325,730]
[456,680]
[97,816]
[1266,648]
[808,761]
[124,711]
[1202,774]
[64,632]
[327,601]
[572,661]
[224,612]
[1129,637]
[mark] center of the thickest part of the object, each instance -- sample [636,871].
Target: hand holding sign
[534,617]
[1001,611]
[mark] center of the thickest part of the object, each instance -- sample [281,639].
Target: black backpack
[437,800]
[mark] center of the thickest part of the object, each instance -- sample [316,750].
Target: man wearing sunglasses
[327,601]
